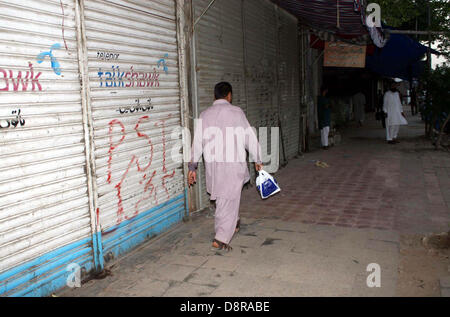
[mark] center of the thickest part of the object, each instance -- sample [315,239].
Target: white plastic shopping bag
[266,184]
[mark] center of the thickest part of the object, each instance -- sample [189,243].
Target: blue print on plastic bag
[268,187]
[266,184]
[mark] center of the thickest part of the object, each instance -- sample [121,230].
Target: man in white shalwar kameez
[392,107]
[226,171]
[359,103]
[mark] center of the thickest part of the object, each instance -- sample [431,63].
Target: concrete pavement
[270,258]
[317,237]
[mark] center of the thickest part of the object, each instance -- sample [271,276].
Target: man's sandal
[217,245]
[238,226]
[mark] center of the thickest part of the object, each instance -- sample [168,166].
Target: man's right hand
[258,167]
[192,178]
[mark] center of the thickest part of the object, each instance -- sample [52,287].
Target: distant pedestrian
[392,107]
[359,103]
[324,116]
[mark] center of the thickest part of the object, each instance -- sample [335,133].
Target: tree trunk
[429,128]
[441,133]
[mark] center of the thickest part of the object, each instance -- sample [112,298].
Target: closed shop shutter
[253,45]
[314,64]
[288,83]
[219,56]
[261,40]
[135,99]
[44,207]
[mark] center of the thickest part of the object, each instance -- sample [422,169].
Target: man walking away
[359,102]
[225,174]
[392,107]
[324,116]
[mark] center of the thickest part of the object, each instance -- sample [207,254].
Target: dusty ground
[421,266]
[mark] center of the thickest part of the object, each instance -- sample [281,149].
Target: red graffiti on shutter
[149,189]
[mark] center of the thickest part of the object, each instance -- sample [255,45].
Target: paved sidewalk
[270,258]
[315,238]
[369,184]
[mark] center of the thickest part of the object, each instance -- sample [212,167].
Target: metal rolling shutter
[44,208]
[261,40]
[135,100]
[288,83]
[219,57]
[314,64]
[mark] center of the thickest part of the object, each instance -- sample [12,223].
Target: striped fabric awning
[339,17]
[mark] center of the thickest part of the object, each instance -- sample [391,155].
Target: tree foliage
[413,14]
[438,110]
[439,83]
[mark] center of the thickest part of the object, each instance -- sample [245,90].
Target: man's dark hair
[222,89]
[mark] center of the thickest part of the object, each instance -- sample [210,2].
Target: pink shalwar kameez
[225,176]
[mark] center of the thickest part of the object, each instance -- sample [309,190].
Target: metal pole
[415,32]
[304,98]
[88,137]
[194,85]
[244,50]
[429,36]
[299,49]
[417,28]
[280,117]
[184,111]
[202,14]
[338,15]
[318,57]
[428,58]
